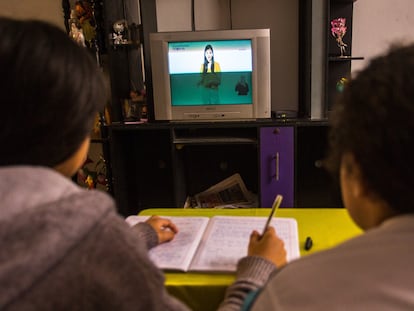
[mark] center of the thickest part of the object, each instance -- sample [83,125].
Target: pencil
[275,206]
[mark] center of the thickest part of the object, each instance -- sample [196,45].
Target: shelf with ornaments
[338,50]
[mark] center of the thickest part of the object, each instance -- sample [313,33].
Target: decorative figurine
[340,85]
[121,28]
[338,30]
[76,32]
[84,14]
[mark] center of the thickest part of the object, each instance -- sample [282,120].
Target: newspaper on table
[229,193]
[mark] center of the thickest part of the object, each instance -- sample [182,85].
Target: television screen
[210,72]
[216,75]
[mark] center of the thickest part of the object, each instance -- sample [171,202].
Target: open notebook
[216,243]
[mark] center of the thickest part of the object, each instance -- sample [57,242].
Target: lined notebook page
[227,238]
[178,253]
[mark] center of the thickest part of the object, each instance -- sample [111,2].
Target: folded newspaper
[229,193]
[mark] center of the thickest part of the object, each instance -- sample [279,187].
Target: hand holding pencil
[267,244]
[275,207]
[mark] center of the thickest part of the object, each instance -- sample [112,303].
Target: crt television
[187,87]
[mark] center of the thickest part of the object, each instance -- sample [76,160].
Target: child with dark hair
[371,151]
[64,247]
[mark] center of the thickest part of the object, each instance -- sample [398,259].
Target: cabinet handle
[276,157]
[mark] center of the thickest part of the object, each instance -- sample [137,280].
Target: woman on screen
[210,77]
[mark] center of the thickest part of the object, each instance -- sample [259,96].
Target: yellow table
[204,292]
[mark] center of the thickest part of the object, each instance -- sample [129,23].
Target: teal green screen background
[185,92]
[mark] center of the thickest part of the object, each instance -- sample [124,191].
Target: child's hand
[268,246]
[166,230]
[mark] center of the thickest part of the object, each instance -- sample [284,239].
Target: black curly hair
[374,121]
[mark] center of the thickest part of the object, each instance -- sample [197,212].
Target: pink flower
[338,28]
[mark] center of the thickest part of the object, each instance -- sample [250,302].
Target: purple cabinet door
[276,165]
